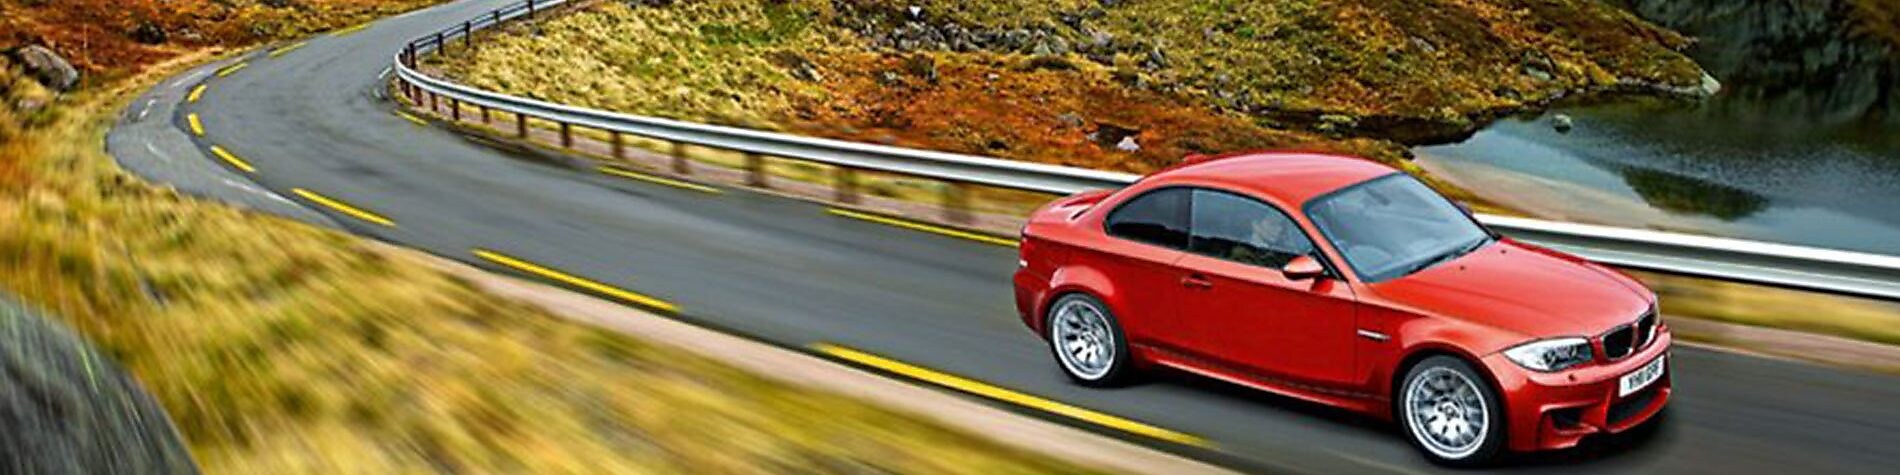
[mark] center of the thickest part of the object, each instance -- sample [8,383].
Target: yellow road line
[287,49]
[197,126]
[347,31]
[630,174]
[993,392]
[577,281]
[412,118]
[929,228]
[232,69]
[342,207]
[196,93]
[232,159]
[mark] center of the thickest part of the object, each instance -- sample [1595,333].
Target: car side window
[1158,217]
[1236,228]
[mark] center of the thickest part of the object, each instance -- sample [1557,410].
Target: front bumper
[1549,411]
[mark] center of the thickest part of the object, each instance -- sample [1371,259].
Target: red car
[1342,281]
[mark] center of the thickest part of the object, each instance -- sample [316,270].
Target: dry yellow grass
[283,348]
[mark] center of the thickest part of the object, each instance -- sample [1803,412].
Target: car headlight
[1550,355]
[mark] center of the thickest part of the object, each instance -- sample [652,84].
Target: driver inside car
[1268,245]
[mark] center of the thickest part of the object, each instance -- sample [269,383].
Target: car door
[1241,306]
[1145,236]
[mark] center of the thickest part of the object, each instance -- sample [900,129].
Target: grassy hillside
[1128,85]
[115,37]
[282,348]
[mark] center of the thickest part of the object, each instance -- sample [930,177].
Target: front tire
[1087,341]
[1451,413]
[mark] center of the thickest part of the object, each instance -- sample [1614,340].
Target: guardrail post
[455,110]
[440,44]
[680,165]
[435,102]
[567,135]
[620,145]
[521,125]
[497,17]
[755,170]
[847,185]
[956,203]
[468,34]
[530,9]
[485,114]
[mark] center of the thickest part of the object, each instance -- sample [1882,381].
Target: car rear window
[1158,217]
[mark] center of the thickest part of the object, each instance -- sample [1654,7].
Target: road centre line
[658,180]
[197,125]
[352,29]
[412,118]
[196,94]
[226,155]
[232,69]
[577,281]
[344,208]
[287,49]
[928,228]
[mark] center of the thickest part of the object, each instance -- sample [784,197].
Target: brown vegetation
[112,37]
[1065,81]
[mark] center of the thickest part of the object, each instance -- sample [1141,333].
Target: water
[1802,146]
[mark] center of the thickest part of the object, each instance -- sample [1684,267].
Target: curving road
[786,272]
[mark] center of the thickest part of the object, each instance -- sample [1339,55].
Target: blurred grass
[1849,317]
[283,348]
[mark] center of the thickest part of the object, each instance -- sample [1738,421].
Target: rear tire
[1451,413]
[1087,341]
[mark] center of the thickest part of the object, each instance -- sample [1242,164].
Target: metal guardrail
[1808,268]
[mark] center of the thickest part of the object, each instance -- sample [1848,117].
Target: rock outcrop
[65,408]
[48,67]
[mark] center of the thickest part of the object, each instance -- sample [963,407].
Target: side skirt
[1353,401]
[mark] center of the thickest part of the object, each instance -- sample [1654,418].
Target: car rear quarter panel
[1085,259]
[1050,240]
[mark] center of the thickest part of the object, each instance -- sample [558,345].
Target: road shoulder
[1006,427]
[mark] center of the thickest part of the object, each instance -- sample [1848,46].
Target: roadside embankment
[278,347]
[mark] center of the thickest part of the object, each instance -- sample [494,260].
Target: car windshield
[1393,226]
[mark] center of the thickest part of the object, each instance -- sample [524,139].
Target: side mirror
[1303,268]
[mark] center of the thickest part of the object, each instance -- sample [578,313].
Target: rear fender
[1085,280]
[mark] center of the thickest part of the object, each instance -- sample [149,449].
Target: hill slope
[1129,85]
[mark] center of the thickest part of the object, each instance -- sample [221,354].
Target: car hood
[1520,288]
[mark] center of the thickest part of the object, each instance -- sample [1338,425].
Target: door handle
[1197,281]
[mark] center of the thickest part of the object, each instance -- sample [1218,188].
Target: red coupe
[1342,281]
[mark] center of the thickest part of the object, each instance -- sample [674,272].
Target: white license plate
[1642,377]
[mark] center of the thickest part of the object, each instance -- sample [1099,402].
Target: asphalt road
[786,272]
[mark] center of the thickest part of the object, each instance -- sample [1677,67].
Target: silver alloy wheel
[1084,343]
[1447,412]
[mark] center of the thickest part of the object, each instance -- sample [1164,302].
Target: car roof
[1291,178]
